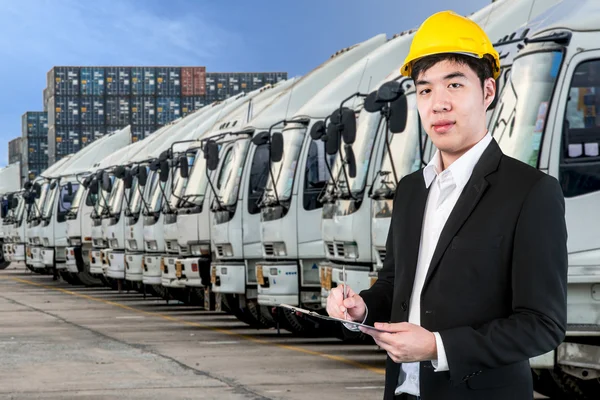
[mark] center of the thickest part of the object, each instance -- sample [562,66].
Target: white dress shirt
[445,189]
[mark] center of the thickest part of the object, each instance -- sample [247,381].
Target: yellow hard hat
[448,32]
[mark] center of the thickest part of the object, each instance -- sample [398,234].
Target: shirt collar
[461,169]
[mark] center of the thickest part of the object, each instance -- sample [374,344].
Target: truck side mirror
[350,160]
[398,114]
[142,176]
[70,188]
[94,186]
[317,131]
[53,185]
[211,153]
[261,138]
[389,92]
[37,189]
[371,104]
[333,142]
[15,202]
[106,182]
[27,185]
[276,147]
[184,167]
[86,182]
[128,178]
[154,165]
[119,172]
[135,170]
[164,156]
[9,201]
[348,125]
[163,173]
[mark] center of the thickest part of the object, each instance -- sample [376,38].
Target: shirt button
[413,379]
[404,306]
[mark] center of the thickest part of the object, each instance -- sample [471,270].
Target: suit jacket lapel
[471,195]
[410,241]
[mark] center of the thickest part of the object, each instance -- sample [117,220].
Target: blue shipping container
[118,81]
[167,109]
[191,104]
[66,110]
[63,81]
[34,124]
[91,133]
[116,111]
[143,81]
[143,111]
[92,81]
[168,81]
[92,110]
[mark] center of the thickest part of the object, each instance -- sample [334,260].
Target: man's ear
[489,91]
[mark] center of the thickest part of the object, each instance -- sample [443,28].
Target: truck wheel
[573,388]
[84,271]
[232,303]
[262,321]
[3,262]
[306,326]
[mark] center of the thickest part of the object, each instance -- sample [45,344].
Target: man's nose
[441,102]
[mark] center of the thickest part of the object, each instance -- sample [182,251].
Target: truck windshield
[196,186]
[77,199]
[115,200]
[231,175]
[181,183]
[154,196]
[285,170]
[49,202]
[39,202]
[368,125]
[521,113]
[405,151]
[20,209]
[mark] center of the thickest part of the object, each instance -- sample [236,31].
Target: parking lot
[63,341]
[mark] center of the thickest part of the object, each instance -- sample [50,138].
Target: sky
[223,35]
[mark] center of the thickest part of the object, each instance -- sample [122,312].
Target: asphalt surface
[59,341]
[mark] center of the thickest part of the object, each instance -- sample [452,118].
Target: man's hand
[354,304]
[404,342]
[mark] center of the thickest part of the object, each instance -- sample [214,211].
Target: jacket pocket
[480,243]
[513,374]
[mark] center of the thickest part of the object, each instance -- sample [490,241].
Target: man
[474,281]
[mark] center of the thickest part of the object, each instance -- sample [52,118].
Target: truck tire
[573,388]
[3,263]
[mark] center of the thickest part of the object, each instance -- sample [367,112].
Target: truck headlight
[351,250]
[132,243]
[75,241]
[200,249]
[36,241]
[152,245]
[114,243]
[46,242]
[279,249]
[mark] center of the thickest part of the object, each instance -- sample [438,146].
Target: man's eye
[424,91]
[455,85]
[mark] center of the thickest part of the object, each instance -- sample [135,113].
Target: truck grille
[381,254]
[330,249]
[340,249]
[268,249]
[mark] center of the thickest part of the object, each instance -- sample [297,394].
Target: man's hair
[481,66]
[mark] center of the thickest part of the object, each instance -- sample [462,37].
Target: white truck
[38,193]
[242,176]
[10,182]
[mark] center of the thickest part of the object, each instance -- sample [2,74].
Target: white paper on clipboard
[327,317]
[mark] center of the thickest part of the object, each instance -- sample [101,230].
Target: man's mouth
[443,126]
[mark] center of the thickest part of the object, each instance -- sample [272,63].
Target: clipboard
[328,318]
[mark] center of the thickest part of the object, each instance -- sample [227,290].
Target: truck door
[576,157]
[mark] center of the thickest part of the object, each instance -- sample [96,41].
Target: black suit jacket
[496,286]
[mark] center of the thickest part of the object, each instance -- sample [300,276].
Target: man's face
[452,106]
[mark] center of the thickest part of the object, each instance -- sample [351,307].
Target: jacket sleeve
[539,293]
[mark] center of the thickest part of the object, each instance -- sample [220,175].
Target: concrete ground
[59,341]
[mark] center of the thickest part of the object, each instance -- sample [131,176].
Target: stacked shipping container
[15,149]
[34,143]
[85,103]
